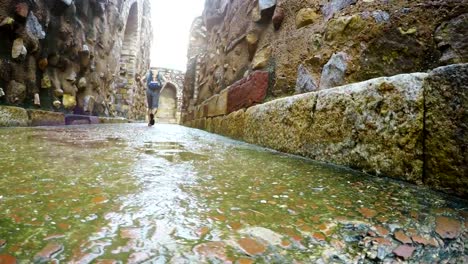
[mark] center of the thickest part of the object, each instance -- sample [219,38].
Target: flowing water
[168,194]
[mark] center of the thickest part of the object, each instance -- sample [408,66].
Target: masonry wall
[170,102]
[82,57]
[410,127]
[312,78]
[314,45]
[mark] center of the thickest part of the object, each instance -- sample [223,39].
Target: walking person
[154,83]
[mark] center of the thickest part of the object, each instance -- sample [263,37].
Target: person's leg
[155,105]
[148,114]
[149,98]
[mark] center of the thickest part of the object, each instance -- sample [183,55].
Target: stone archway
[128,56]
[167,112]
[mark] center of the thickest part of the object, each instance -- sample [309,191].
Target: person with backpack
[154,83]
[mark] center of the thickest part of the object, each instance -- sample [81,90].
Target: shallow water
[133,194]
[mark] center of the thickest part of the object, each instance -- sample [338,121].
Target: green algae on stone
[446,130]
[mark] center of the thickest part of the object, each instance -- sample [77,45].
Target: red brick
[248,91]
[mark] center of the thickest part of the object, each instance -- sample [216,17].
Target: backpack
[155,85]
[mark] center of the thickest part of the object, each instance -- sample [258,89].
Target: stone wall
[82,57]
[412,127]
[314,45]
[245,54]
[170,102]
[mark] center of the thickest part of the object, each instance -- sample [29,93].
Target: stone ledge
[112,120]
[11,116]
[45,118]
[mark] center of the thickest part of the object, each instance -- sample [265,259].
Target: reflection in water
[135,194]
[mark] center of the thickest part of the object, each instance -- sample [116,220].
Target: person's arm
[148,79]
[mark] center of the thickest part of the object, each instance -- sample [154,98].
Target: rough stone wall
[170,101]
[195,55]
[81,57]
[412,127]
[308,45]
[253,52]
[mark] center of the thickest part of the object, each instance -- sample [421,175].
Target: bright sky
[171,25]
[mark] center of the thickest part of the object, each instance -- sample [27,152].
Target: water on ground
[168,194]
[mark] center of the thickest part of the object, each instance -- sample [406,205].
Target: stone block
[208,125]
[221,104]
[216,124]
[306,16]
[200,123]
[376,126]
[46,118]
[199,111]
[248,91]
[112,120]
[217,104]
[446,129]
[190,115]
[13,116]
[211,105]
[261,58]
[280,124]
[232,125]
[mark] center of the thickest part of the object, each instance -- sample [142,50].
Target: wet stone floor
[168,194]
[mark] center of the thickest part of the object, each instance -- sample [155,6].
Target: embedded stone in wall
[22,10]
[211,102]
[215,16]
[306,16]
[334,6]
[305,82]
[46,118]
[34,27]
[452,40]
[334,71]
[13,116]
[266,8]
[15,92]
[261,58]
[252,42]
[18,50]
[278,17]
[248,91]
[216,105]
[446,129]
[69,101]
[221,104]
